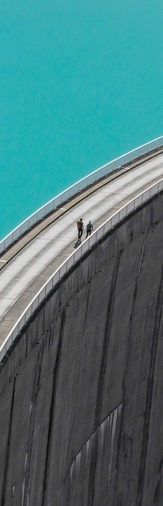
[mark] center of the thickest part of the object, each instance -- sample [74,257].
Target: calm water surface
[81,82]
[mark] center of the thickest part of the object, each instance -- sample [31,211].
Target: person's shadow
[78,242]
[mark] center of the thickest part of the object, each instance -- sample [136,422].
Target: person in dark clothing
[89,229]
[80,227]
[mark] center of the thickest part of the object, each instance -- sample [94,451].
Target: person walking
[80,227]
[89,229]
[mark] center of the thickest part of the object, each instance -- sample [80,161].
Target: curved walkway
[25,273]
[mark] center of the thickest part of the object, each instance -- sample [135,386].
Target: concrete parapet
[81,390]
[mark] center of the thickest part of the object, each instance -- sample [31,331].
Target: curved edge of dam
[42,215]
[81,388]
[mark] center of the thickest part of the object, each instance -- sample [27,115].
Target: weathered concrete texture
[81,411]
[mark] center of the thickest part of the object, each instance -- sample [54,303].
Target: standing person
[89,229]
[80,227]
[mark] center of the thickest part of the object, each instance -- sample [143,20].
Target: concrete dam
[81,411]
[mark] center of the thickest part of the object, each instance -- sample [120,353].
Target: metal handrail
[74,258]
[91,178]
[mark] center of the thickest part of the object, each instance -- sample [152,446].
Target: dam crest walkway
[27,265]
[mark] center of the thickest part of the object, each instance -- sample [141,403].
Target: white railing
[74,258]
[57,201]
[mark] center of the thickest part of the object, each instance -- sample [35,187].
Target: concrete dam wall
[81,411]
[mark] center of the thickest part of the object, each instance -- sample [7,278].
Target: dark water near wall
[81,83]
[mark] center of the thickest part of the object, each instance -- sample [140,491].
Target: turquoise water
[81,83]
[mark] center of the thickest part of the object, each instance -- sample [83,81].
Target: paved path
[29,269]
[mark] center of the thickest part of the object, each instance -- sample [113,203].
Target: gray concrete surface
[81,391]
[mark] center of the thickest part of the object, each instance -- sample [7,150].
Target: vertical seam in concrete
[35,389]
[105,343]
[52,405]
[72,416]
[8,446]
[149,395]
[157,492]
[101,379]
[132,311]
[83,330]
[129,347]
